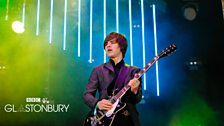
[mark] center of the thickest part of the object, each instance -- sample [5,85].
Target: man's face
[113,49]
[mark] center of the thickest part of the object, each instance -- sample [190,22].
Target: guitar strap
[121,77]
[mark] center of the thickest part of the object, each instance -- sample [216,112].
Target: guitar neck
[121,93]
[164,53]
[146,68]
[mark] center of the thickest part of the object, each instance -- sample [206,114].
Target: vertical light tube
[65,23]
[155,43]
[143,41]
[7,10]
[117,16]
[51,20]
[90,42]
[79,26]
[130,25]
[24,11]
[38,17]
[104,26]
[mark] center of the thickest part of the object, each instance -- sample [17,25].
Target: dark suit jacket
[100,79]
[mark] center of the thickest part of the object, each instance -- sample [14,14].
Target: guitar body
[101,118]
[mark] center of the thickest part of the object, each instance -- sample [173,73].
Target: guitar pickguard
[101,119]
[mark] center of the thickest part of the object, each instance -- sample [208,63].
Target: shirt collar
[121,63]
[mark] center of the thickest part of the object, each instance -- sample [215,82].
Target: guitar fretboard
[164,53]
[138,75]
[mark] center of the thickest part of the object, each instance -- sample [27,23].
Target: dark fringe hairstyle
[121,40]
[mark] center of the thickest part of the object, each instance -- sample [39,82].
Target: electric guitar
[105,118]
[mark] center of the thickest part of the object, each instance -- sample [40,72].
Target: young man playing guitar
[109,79]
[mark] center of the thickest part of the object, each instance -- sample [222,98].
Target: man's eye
[113,42]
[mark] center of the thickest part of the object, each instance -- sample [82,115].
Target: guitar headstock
[168,51]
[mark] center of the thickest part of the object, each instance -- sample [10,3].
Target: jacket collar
[110,64]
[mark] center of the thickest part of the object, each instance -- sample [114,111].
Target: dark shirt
[117,69]
[120,119]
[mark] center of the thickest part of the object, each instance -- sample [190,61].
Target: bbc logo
[33,99]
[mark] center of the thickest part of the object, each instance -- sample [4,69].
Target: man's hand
[104,104]
[134,84]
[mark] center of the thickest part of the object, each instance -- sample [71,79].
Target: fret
[121,92]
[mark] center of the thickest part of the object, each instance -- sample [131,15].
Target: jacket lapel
[109,66]
[109,72]
[108,76]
